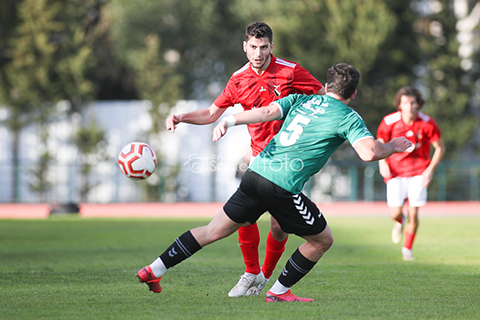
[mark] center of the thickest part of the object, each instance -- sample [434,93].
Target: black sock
[296,268]
[183,247]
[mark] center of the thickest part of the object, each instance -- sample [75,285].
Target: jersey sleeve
[353,128]
[286,103]
[436,134]
[304,82]
[383,131]
[229,96]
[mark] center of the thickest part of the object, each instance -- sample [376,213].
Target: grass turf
[72,268]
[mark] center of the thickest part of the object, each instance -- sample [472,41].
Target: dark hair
[408,91]
[258,30]
[343,80]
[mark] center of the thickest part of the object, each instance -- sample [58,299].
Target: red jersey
[252,91]
[422,132]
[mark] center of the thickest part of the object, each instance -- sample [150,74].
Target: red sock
[408,243]
[273,252]
[249,240]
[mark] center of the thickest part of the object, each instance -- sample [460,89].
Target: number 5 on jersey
[294,129]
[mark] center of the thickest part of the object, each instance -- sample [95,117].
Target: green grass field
[72,268]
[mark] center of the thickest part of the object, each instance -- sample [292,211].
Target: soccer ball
[137,160]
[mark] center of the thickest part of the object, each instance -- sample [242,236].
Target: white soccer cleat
[407,254]
[255,290]
[247,280]
[398,230]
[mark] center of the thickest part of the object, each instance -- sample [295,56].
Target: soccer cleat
[407,254]
[286,297]
[145,275]
[247,280]
[397,231]
[255,290]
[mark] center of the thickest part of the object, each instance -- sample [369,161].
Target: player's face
[258,52]
[409,106]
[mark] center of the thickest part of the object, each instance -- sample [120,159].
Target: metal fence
[452,181]
[338,181]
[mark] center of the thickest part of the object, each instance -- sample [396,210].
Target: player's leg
[249,240]
[396,214]
[417,197]
[297,214]
[185,246]
[244,203]
[298,265]
[410,233]
[275,246]
[396,195]
[276,240]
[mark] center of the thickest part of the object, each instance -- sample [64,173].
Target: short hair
[258,30]
[408,91]
[343,80]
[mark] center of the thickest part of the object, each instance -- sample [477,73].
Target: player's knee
[327,243]
[278,233]
[323,244]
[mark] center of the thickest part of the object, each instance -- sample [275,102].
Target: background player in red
[264,79]
[408,174]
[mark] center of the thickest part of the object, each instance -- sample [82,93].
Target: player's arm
[370,149]
[200,117]
[439,147]
[269,113]
[383,165]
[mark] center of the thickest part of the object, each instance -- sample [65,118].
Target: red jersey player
[262,80]
[408,174]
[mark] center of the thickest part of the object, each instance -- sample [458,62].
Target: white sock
[278,288]
[158,267]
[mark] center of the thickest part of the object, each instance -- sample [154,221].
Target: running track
[191,210]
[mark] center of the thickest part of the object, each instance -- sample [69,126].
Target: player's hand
[172,122]
[402,144]
[220,130]
[427,177]
[384,169]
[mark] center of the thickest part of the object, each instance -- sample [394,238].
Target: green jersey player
[314,127]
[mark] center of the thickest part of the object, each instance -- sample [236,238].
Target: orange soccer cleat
[286,297]
[145,275]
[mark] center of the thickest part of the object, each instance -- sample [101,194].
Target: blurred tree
[89,140]
[8,21]
[48,56]
[449,87]
[200,40]
[176,51]
[156,81]
[26,83]
[392,44]
[318,34]
[112,76]
[39,176]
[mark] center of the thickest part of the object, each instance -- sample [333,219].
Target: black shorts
[295,213]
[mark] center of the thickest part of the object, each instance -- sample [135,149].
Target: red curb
[24,211]
[209,209]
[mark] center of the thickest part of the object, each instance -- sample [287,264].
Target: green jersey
[313,128]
